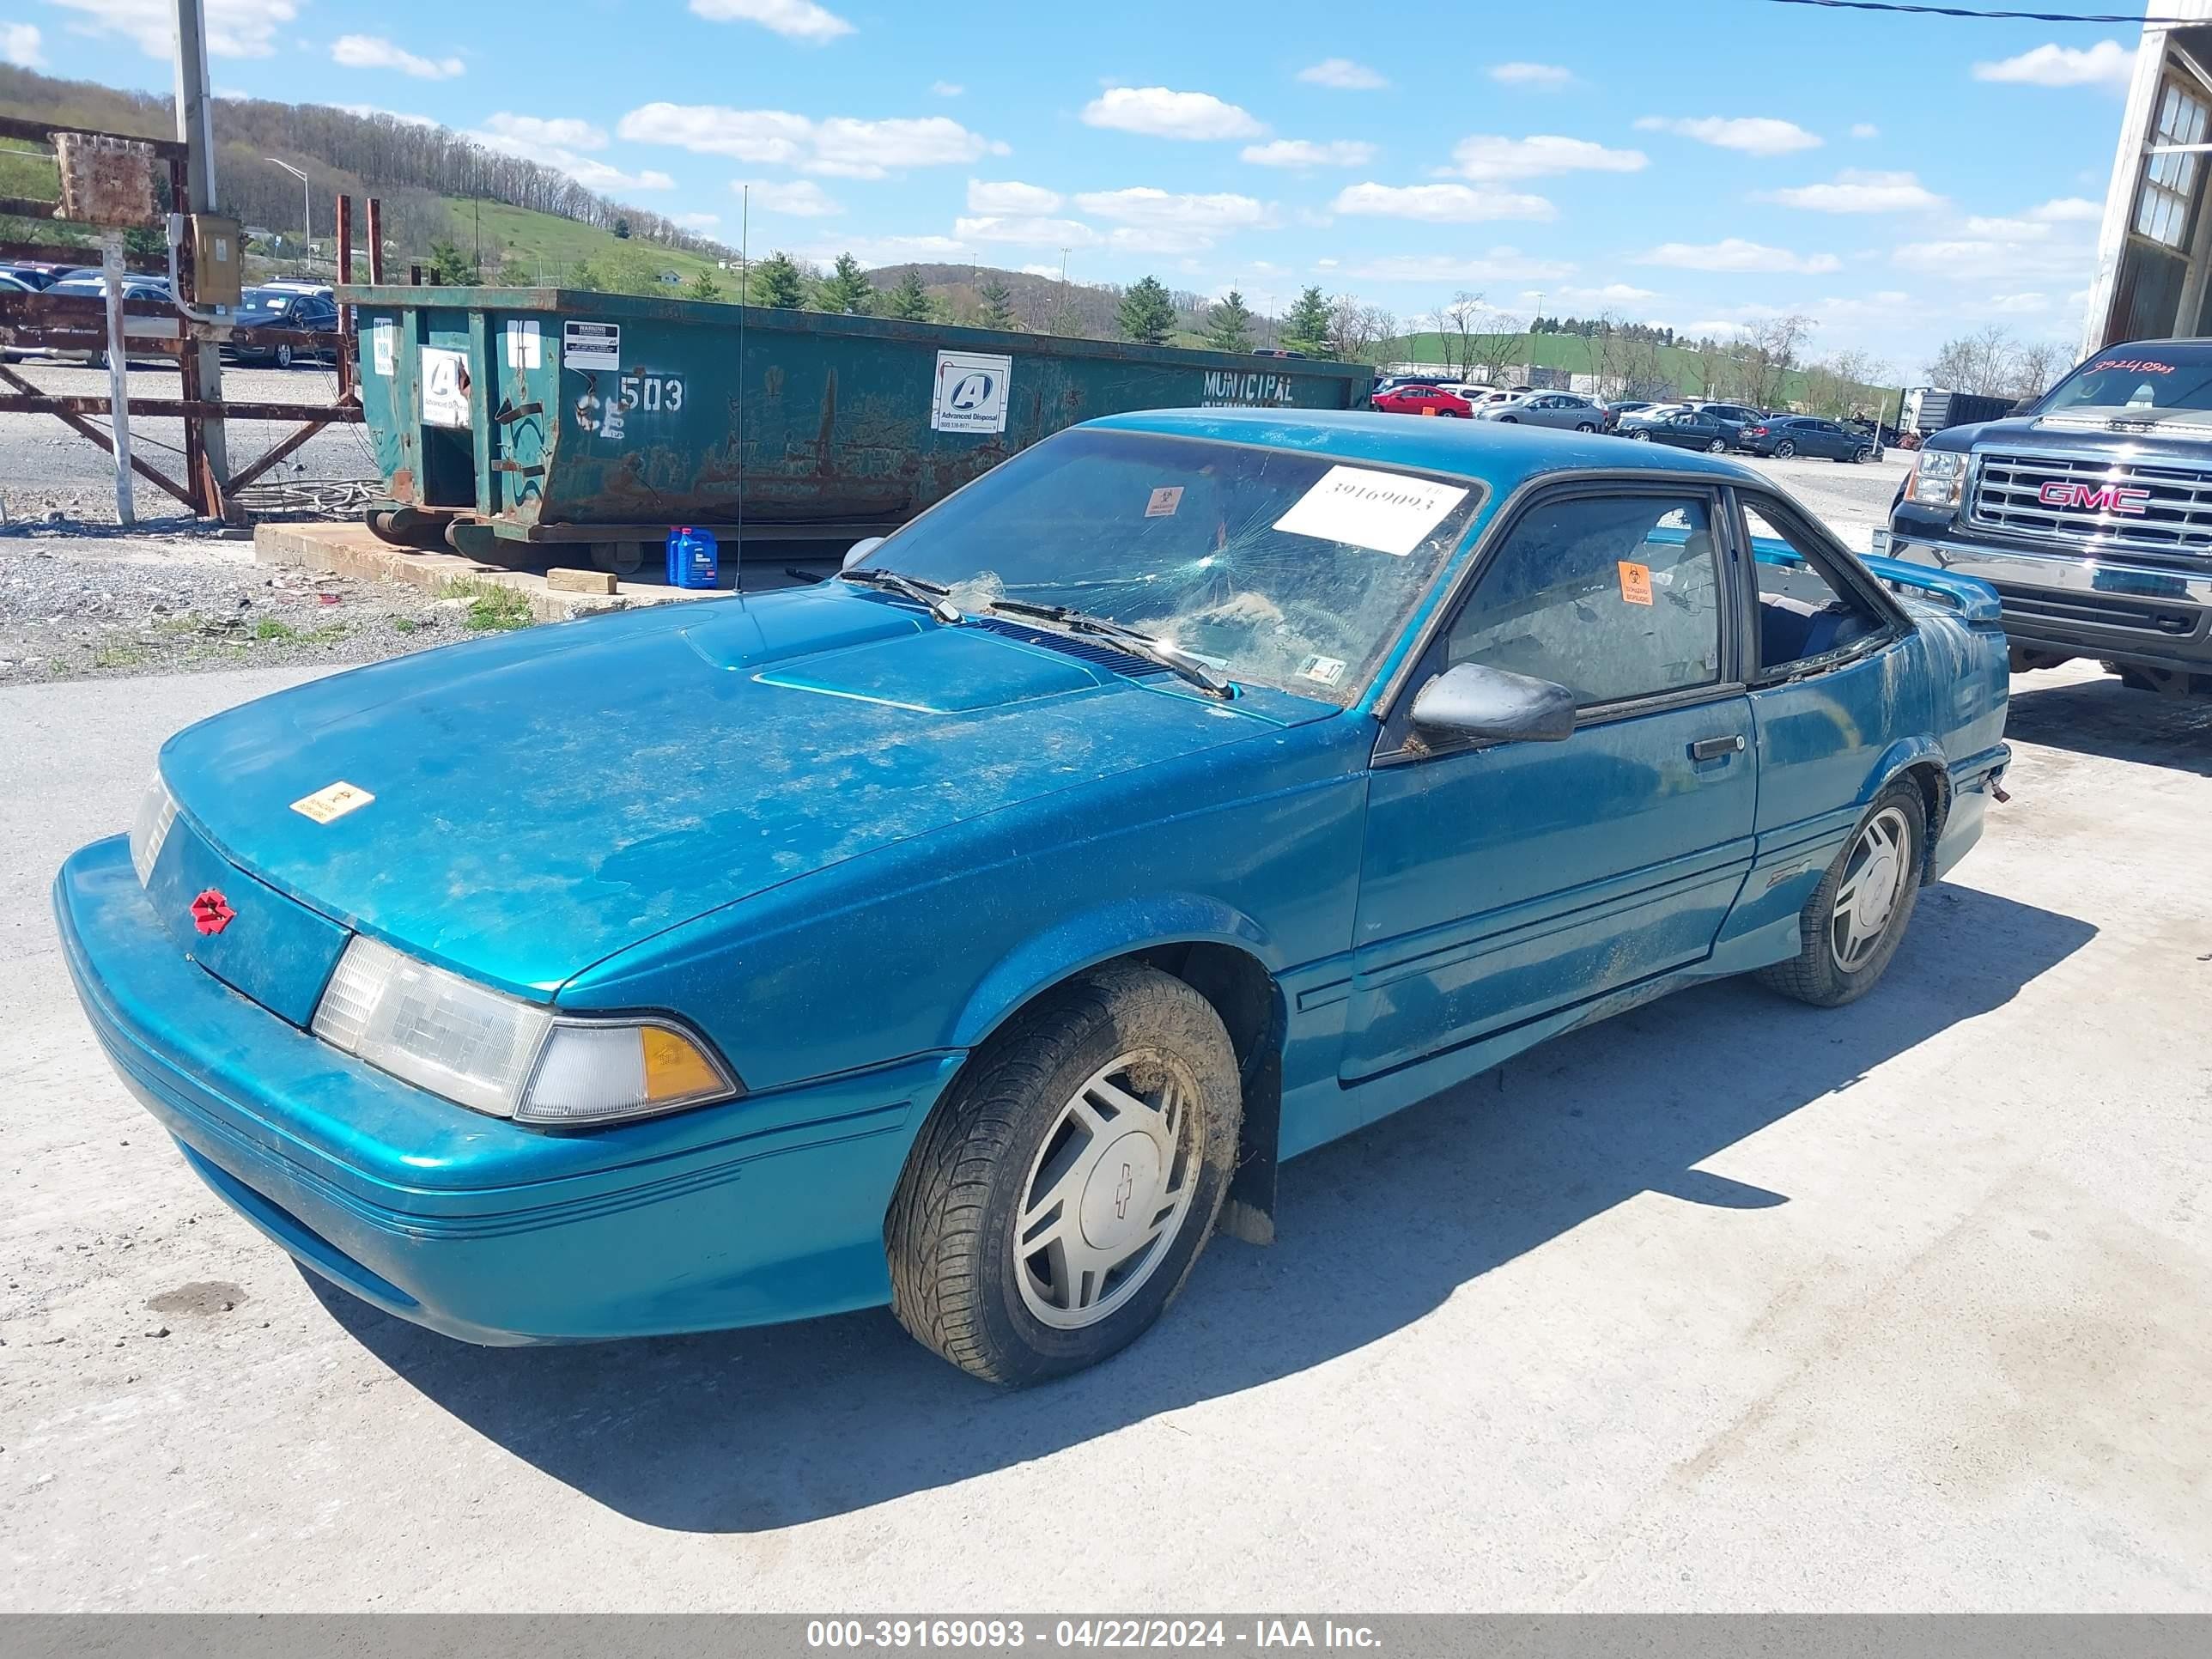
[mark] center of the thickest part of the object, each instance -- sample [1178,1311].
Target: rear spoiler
[1974,599]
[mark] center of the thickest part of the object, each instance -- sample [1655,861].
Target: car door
[1502,882]
[1821,640]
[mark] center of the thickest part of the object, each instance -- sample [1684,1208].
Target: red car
[1422,400]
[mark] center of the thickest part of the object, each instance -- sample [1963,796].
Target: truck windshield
[1277,567]
[2138,382]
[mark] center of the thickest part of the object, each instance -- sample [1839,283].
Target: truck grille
[2175,527]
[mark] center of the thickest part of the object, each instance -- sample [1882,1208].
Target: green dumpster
[535,415]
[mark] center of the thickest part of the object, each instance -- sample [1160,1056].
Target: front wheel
[1641,437]
[1863,455]
[1059,1194]
[1719,447]
[1855,920]
[1509,420]
[283,356]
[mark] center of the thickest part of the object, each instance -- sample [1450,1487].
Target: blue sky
[1898,178]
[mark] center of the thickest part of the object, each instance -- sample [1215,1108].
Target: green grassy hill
[28,171]
[543,245]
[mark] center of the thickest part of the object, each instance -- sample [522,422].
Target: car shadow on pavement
[2104,717]
[752,1431]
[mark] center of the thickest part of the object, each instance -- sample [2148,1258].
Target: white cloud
[19,45]
[1160,210]
[1999,254]
[235,28]
[698,221]
[1440,205]
[1343,74]
[1733,254]
[1026,231]
[1755,135]
[374,52]
[947,88]
[1052,272]
[563,142]
[794,19]
[800,198]
[1488,159]
[1853,191]
[2017,305]
[1310,153]
[1500,265]
[1865,129]
[2022,230]
[1011,198]
[1544,77]
[842,146]
[1159,113]
[1613,293]
[2068,211]
[2108,64]
[371,111]
[888,250]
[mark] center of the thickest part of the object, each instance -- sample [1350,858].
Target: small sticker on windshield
[1385,512]
[1635,582]
[1327,669]
[333,801]
[1165,501]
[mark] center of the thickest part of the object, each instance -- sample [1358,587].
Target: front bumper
[2111,610]
[763,1209]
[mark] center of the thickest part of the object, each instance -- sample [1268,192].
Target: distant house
[673,278]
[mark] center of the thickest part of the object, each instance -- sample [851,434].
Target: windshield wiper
[1174,660]
[927,594]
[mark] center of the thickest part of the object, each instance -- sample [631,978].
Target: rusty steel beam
[42,132]
[61,253]
[85,428]
[375,242]
[35,402]
[51,305]
[246,475]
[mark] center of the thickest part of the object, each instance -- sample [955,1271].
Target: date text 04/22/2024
[1008,1635]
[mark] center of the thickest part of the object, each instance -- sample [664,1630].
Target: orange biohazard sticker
[1635,583]
[1165,501]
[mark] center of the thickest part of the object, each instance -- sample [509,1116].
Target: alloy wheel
[1108,1191]
[1784,450]
[1867,896]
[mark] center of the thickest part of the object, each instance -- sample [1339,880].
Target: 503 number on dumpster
[651,394]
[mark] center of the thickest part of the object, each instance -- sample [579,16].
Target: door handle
[1707,748]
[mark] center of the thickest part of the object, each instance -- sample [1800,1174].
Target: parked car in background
[1685,428]
[92,285]
[1735,416]
[270,307]
[1620,406]
[35,277]
[1479,737]
[1419,398]
[1568,411]
[1784,436]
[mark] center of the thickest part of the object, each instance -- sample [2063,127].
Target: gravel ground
[49,471]
[104,607]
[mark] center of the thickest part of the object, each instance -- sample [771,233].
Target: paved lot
[1727,1303]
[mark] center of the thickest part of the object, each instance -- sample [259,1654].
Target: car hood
[2086,437]
[545,799]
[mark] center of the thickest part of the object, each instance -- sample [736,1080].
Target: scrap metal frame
[30,322]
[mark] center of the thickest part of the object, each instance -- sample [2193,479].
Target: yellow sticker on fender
[332,802]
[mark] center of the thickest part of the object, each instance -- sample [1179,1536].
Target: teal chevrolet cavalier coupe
[976,932]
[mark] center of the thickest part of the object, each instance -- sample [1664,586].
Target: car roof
[1499,454]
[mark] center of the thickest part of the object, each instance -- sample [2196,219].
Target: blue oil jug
[694,559]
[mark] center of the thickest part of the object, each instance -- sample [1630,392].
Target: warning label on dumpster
[591,345]
[971,393]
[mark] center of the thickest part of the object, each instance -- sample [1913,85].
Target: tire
[1824,972]
[1861,455]
[1719,447]
[1030,1112]
[283,356]
[1509,420]
[1584,426]
[1640,436]
[1784,450]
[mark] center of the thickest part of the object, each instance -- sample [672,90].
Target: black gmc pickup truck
[2090,513]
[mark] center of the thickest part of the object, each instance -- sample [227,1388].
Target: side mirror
[1491,705]
[860,551]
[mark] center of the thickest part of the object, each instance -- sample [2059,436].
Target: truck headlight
[157,811]
[499,1054]
[1938,477]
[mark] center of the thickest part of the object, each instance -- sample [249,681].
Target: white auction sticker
[1387,512]
[591,345]
[382,338]
[971,393]
[444,387]
[526,347]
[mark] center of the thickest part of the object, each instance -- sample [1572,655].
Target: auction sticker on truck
[970,392]
[1387,512]
[591,345]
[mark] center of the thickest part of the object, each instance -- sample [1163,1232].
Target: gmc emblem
[2095,498]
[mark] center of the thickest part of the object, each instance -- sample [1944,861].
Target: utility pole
[195,129]
[307,212]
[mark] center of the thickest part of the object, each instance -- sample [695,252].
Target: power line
[1979,16]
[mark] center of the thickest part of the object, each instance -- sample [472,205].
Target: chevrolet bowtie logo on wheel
[1123,1192]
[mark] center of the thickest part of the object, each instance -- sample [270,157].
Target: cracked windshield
[1290,571]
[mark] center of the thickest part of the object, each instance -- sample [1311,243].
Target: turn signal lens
[599,1073]
[157,812]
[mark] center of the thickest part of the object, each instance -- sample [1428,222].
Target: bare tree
[1494,344]
[1771,346]
[1356,330]
[2036,365]
[1985,362]
[1456,325]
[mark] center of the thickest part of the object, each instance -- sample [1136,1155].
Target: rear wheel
[283,356]
[1719,447]
[1784,450]
[1058,1196]
[1855,920]
[1641,437]
[1585,426]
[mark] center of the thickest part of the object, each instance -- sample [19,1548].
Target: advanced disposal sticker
[590,346]
[444,387]
[1387,512]
[971,393]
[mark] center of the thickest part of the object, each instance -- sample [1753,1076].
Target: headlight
[1939,476]
[499,1054]
[157,811]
